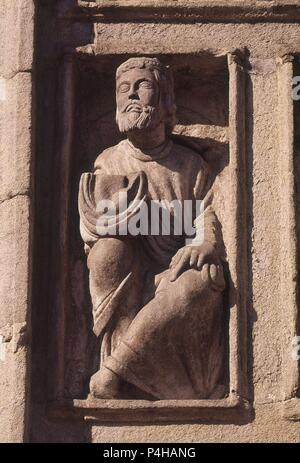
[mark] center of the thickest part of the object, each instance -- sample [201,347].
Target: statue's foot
[104,384]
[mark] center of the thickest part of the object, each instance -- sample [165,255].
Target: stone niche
[209,92]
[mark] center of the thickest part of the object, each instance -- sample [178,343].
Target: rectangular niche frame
[234,408]
[289,277]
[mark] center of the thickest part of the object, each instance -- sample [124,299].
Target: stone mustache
[157,302]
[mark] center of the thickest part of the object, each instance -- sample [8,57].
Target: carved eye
[146,84]
[123,88]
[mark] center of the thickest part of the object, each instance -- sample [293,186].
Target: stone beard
[157,303]
[143,118]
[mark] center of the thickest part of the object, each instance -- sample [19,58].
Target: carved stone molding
[289,234]
[186,11]
[173,411]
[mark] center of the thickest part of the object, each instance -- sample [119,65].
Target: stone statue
[157,297]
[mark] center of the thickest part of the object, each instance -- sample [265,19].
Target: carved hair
[163,76]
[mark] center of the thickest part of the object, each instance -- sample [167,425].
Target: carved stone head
[145,95]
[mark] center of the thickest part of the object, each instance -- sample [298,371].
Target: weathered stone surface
[192,10]
[15,251]
[15,289]
[16,136]
[266,287]
[216,38]
[16,34]
[14,367]
[262,431]
[16,154]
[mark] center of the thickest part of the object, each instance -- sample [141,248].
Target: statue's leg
[169,335]
[115,286]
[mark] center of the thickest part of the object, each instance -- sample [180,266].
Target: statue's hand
[193,257]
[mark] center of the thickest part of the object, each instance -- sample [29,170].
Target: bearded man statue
[157,296]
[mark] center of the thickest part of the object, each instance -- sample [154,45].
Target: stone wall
[56,116]
[16,212]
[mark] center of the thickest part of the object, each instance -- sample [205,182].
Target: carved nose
[133,95]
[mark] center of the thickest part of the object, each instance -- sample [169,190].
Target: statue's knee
[208,281]
[110,258]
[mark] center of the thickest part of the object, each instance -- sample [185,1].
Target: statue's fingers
[200,261]
[175,259]
[194,259]
[180,267]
